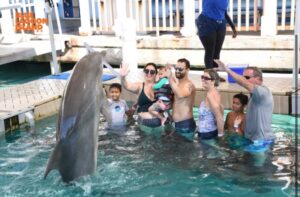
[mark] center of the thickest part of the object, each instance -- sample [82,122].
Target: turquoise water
[135,164]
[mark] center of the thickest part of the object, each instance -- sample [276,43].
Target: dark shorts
[186,128]
[207,25]
[153,122]
[208,135]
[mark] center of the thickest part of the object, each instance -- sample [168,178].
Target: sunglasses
[206,78]
[151,72]
[179,69]
[248,77]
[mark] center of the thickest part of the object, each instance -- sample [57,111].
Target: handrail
[14,6]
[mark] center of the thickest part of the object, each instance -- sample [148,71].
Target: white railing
[27,15]
[150,15]
[167,15]
[9,11]
[286,14]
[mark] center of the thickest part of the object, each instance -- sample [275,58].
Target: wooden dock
[41,97]
[27,48]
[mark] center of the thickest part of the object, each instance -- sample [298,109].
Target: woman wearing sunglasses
[210,122]
[145,93]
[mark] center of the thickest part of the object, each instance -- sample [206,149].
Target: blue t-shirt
[214,9]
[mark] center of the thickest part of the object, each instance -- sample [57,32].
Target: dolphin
[75,152]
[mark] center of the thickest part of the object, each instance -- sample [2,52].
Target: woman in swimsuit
[145,92]
[211,122]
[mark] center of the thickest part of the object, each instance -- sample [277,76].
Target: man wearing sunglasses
[184,96]
[260,107]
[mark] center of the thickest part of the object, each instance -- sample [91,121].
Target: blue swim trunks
[208,135]
[186,128]
[153,122]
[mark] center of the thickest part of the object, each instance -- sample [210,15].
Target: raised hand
[124,70]
[221,65]
[169,70]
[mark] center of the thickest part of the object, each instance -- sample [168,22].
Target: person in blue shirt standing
[211,25]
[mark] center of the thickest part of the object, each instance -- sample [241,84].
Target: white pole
[189,28]
[62,45]
[126,29]
[39,12]
[129,50]
[297,19]
[6,21]
[55,68]
[296,108]
[85,28]
[296,48]
[269,18]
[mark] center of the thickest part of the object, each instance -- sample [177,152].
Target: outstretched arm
[180,92]
[239,79]
[132,87]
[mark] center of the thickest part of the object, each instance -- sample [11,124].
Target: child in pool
[119,108]
[235,120]
[163,95]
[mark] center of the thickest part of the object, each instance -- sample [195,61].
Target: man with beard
[184,96]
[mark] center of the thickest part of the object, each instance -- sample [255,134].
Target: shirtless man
[184,97]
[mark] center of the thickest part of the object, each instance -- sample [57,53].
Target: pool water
[135,164]
[21,72]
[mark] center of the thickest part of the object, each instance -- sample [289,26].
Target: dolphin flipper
[53,161]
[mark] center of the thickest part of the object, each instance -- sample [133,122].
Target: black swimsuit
[143,102]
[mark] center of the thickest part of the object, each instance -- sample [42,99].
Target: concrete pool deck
[42,97]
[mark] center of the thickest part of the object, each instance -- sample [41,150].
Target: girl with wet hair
[235,120]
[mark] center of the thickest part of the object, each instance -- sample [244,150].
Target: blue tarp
[65,76]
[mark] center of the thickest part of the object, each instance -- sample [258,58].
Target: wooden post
[6,22]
